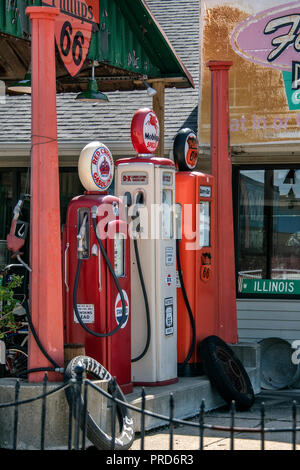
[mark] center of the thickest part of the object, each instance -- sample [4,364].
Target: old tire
[226,372]
[101,440]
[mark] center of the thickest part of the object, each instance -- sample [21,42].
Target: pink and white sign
[271,37]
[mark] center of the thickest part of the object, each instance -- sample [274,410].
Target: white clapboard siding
[259,319]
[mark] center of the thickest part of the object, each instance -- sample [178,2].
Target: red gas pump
[196,313]
[96,267]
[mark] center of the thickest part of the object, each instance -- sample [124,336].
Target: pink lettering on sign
[270,38]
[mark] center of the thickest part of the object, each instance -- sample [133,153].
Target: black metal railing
[76,428]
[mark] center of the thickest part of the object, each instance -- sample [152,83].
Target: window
[268,231]
[14,183]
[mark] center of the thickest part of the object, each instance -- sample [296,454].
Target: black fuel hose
[136,250]
[34,333]
[187,304]
[60,370]
[75,288]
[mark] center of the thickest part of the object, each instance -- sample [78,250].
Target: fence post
[77,386]
[262,414]
[71,406]
[294,412]
[113,414]
[232,411]
[201,423]
[84,414]
[143,418]
[171,420]
[16,415]
[43,417]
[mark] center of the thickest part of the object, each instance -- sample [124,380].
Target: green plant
[7,305]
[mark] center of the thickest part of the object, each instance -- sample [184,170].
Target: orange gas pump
[96,269]
[196,314]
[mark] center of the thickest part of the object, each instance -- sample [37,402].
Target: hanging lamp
[92,94]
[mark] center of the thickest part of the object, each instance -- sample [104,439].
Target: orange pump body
[195,194]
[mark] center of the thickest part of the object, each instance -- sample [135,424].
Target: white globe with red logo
[96,167]
[145,131]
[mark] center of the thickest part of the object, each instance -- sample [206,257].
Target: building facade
[262,41]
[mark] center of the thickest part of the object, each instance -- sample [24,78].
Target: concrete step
[189,392]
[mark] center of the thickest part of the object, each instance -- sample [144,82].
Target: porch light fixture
[150,90]
[22,86]
[92,94]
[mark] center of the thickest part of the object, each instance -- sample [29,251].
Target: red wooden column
[224,234]
[45,245]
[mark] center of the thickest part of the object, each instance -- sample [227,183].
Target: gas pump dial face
[96,167]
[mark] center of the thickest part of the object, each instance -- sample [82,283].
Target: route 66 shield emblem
[205,273]
[73,30]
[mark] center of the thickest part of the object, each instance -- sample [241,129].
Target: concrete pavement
[278,415]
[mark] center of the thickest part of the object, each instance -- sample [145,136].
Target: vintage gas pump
[96,268]
[147,183]
[196,315]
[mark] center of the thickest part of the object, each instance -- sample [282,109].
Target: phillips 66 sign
[73,30]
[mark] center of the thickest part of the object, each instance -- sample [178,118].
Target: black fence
[82,431]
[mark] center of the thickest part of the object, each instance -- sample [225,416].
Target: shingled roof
[80,122]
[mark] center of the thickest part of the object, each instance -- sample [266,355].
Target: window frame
[236,169]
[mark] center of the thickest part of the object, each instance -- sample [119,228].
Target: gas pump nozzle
[81,237]
[139,200]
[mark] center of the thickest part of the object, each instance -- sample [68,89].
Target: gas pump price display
[119,252]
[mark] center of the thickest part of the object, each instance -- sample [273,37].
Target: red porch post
[45,246]
[224,233]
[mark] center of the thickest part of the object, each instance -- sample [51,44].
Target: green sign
[292,96]
[270,286]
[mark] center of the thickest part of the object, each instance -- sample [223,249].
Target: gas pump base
[162,383]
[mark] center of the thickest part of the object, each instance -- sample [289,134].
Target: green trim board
[128,38]
[270,286]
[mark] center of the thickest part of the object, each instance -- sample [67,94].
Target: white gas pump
[147,183]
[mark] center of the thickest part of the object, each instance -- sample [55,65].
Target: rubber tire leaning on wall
[101,440]
[226,372]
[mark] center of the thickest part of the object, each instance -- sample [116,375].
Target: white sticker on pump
[169,325]
[86,313]
[205,191]
[169,256]
[119,310]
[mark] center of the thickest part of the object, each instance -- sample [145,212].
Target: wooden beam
[159,109]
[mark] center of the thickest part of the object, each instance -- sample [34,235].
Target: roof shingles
[84,121]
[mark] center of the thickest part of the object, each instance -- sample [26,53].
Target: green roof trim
[128,37]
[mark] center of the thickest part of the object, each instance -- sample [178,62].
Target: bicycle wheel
[15,361]
[102,440]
